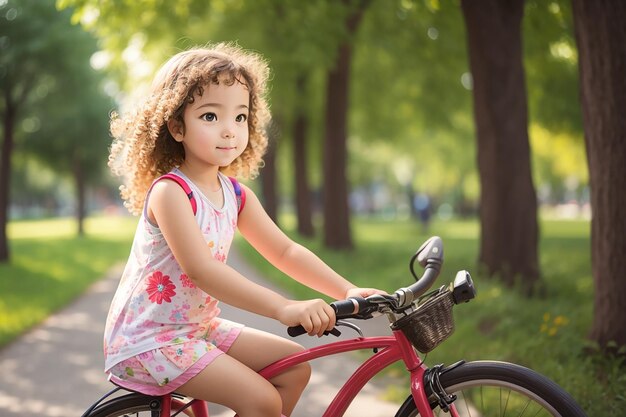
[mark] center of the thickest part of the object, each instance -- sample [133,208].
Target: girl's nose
[228,133]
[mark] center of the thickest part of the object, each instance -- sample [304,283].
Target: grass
[546,333]
[50,266]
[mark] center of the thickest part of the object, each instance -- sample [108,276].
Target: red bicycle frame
[390,349]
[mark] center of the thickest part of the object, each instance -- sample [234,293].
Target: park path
[55,369]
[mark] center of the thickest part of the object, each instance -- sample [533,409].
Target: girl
[205,118]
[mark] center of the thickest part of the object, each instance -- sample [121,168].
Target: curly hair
[143,148]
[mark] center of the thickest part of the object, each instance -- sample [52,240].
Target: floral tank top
[156,304]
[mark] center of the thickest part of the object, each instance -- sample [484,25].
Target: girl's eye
[209,117]
[241,118]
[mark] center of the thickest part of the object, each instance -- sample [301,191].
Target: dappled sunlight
[15,320]
[41,229]
[18,406]
[106,227]
[395,231]
[557,154]
[56,355]
[51,265]
[564,51]
[455,229]
[78,320]
[112,227]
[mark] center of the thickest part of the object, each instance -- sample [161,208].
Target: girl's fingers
[331,316]
[316,317]
[307,324]
[317,325]
[327,318]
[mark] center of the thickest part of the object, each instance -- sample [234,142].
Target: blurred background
[392,120]
[408,118]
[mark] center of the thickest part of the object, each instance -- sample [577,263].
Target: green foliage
[546,333]
[73,136]
[409,67]
[411,86]
[412,96]
[62,110]
[51,266]
[551,65]
[28,57]
[559,156]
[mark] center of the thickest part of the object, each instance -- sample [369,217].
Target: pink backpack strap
[180,181]
[240,193]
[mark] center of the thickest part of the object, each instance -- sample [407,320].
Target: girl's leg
[257,349]
[228,382]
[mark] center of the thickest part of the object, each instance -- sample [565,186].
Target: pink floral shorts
[163,370]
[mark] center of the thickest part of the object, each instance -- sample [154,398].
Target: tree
[268,174]
[73,136]
[23,55]
[601,36]
[337,232]
[508,203]
[32,65]
[304,208]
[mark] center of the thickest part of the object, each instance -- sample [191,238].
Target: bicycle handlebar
[429,256]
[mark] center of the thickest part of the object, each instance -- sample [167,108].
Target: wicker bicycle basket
[430,324]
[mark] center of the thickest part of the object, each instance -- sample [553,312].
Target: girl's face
[216,125]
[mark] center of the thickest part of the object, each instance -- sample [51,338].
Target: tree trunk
[337,232]
[508,203]
[300,156]
[601,36]
[268,174]
[5,174]
[79,180]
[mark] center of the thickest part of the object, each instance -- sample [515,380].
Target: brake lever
[334,331]
[381,298]
[384,299]
[350,325]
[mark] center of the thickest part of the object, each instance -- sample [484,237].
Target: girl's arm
[290,257]
[169,207]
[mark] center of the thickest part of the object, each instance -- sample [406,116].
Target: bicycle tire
[477,383]
[134,404]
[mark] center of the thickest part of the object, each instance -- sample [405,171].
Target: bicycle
[420,321]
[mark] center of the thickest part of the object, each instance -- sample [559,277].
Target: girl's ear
[176,129]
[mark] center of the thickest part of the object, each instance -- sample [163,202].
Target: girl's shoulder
[191,190]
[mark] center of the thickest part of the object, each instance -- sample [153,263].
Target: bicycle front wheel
[497,389]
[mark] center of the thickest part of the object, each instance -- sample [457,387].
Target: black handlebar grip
[343,308]
[349,307]
[294,331]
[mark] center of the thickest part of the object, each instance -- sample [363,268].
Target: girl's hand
[363,292]
[316,316]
